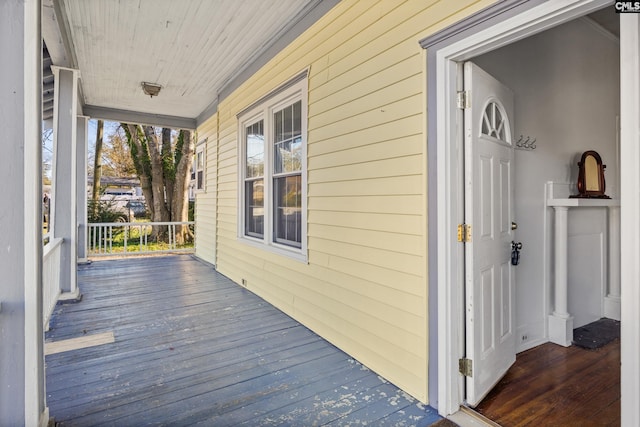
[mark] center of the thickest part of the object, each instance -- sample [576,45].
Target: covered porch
[169,341]
[181,338]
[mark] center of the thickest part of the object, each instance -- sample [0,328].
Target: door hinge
[466,367]
[464,233]
[464,99]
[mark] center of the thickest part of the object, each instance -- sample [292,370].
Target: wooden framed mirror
[591,176]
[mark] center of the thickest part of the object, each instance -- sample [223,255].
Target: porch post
[81,186]
[64,193]
[22,396]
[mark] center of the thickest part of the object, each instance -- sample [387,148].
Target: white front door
[489,210]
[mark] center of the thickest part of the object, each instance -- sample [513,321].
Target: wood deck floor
[191,347]
[551,385]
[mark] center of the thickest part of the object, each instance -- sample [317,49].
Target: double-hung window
[272,139]
[198,167]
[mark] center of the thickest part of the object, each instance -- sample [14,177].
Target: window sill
[299,255]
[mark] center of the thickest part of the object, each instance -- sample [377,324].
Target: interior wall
[566,85]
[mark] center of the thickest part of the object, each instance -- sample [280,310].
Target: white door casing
[489,209]
[444,53]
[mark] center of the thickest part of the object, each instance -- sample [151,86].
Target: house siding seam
[364,287]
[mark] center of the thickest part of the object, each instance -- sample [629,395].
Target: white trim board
[629,213]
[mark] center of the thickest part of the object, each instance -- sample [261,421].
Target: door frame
[503,23]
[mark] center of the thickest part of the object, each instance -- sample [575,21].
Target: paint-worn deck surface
[191,347]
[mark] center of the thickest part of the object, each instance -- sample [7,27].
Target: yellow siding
[205,209]
[364,287]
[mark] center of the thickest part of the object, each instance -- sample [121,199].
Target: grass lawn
[131,237]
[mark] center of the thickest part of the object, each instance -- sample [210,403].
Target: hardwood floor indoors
[551,385]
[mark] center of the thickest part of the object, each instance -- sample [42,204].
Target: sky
[109,129]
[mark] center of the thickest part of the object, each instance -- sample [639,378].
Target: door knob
[514,225]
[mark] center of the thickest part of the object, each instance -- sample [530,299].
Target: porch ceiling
[195,49]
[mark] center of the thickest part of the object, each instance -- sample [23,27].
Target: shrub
[104,211]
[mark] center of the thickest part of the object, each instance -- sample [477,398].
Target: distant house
[369,176]
[129,186]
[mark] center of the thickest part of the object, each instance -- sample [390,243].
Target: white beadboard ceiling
[193,48]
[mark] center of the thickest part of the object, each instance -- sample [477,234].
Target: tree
[97,168]
[46,171]
[47,154]
[162,160]
[116,156]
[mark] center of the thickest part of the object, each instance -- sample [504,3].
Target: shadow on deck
[191,347]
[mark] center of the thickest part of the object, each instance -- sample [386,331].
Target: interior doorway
[536,19]
[566,87]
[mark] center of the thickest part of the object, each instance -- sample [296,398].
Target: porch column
[64,195]
[81,186]
[560,322]
[22,396]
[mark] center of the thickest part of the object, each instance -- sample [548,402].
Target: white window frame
[291,92]
[201,149]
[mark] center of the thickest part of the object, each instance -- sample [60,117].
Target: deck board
[193,348]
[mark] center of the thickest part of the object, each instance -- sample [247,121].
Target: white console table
[560,320]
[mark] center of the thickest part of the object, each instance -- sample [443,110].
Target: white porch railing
[133,238]
[50,277]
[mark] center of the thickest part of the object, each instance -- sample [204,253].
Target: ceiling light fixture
[151,89]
